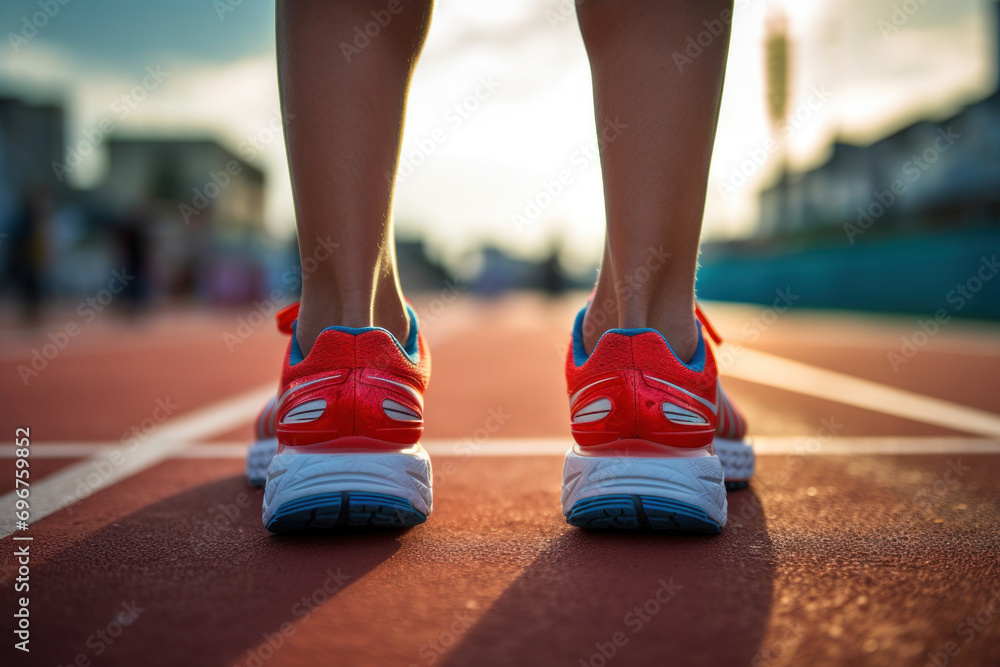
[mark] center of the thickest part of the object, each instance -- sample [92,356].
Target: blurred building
[904,224]
[925,175]
[32,138]
[418,271]
[202,180]
[197,211]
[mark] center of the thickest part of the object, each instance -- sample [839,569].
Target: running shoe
[347,422]
[731,443]
[644,424]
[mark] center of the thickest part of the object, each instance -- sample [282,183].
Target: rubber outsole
[346,509]
[738,460]
[633,512]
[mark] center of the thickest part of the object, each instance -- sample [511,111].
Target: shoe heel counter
[645,396]
[367,407]
[374,401]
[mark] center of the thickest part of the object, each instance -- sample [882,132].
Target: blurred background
[147,235]
[857,157]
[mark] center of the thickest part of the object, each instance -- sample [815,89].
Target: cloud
[515,141]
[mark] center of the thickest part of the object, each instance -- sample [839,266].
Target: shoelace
[712,333]
[286,318]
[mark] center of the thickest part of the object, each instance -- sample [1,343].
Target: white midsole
[405,475]
[738,459]
[695,481]
[259,456]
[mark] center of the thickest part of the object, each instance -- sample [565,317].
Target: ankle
[682,335]
[315,315]
[601,315]
[677,325]
[392,315]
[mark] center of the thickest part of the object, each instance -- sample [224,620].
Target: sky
[518,73]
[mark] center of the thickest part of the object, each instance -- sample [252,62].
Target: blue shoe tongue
[294,352]
[411,349]
[580,356]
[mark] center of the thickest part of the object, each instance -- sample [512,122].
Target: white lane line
[109,465]
[764,445]
[774,371]
[862,445]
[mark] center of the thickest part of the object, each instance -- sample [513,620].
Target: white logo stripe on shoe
[714,407]
[681,415]
[407,388]
[277,406]
[576,395]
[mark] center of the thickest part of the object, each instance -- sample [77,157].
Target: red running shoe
[346,424]
[644,424]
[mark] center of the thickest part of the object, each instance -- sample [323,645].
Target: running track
[877,544]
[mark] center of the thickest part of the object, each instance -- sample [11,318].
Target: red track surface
[827,559]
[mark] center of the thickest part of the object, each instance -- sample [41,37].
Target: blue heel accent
[346,509]
[627,512]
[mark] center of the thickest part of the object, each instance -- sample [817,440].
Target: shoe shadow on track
[214,588]
[617,598]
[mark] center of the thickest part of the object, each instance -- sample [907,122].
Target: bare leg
[656,168]
[344,112]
